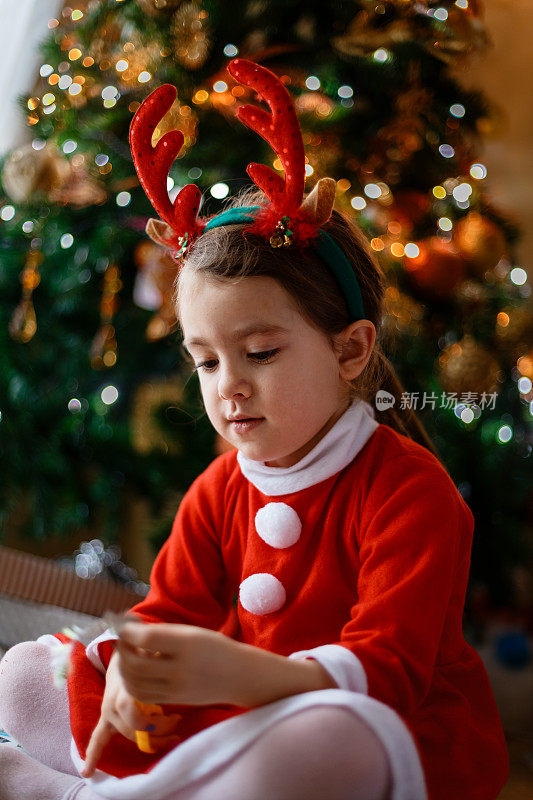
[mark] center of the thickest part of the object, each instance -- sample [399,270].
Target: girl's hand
[120,714]
[185,664]
[174,664]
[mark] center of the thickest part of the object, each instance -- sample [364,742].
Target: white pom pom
[262,593]
[278,525]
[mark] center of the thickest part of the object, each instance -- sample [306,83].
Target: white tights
[318,753]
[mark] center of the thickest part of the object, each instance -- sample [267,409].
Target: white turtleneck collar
[333,452]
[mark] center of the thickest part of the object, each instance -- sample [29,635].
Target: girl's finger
[154,638]
[100,737]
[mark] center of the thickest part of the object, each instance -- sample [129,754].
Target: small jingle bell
[282,237]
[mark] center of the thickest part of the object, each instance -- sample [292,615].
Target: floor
[520,783]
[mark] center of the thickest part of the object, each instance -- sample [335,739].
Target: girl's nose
[231,384]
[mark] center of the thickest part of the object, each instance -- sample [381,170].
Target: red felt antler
[280,129]
[153,164]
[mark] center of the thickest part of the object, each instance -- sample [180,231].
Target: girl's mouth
[245,425]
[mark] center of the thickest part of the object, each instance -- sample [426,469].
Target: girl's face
[258,357]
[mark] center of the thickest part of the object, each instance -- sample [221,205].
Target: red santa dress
[357,556]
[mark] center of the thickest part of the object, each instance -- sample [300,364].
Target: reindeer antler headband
[287,220]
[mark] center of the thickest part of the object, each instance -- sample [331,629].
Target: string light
[345,92]
[219,190]
[372,190]
[109,395]
[381,55]
[46,70]
[313,83]
[358,203]
[505,434]
[457,110]
[478,171]
[445,224]
[7,213]
[67,240]
[230,50]
[446,150]
[123,198]
[524,385]
[462,192]
[220,86]
[397,249]
[518,276]
[439,192]
[412,250]
[200,96]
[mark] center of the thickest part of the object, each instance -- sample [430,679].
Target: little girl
[302,636]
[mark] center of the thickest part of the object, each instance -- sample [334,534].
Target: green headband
[329,251]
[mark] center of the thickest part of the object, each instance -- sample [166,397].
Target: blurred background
[421,112]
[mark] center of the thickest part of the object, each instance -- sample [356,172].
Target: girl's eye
[266,355]
[263,358]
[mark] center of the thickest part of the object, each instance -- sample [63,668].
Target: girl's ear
[355,345]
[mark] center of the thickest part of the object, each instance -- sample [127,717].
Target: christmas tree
[95,395]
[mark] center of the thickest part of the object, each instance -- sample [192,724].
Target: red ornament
[438,269]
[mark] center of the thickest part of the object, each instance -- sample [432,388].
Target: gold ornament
[30,174]
[103,352]
[467,366]
[23,323]
[149,397]
[191,35]
[481,242]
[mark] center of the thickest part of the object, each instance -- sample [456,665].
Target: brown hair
[224,253]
